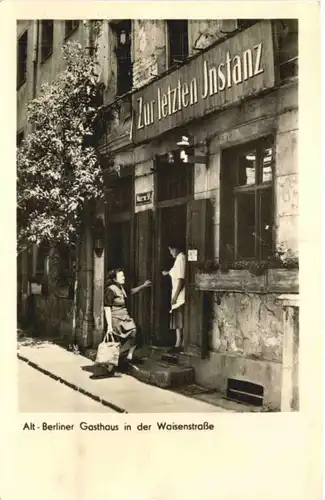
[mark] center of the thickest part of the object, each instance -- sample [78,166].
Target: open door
[142,302]
[197,308]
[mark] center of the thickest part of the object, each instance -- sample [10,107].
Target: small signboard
[35,288]
[192,255]
[143,198]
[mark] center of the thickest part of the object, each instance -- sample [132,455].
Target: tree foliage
[57,165]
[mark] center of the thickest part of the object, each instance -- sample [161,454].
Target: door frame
[119,217]
[159,205]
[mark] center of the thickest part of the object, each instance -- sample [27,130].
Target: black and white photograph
[157,215]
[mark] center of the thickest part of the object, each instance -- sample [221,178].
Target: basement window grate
[245,392]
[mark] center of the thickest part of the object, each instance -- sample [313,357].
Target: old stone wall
[249,325]
[149,50]
[150,44]
[204,32]
[53,317]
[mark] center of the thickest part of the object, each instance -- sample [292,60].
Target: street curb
[75,387]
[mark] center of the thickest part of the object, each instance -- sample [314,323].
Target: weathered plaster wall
[286,181]
[48,70]
[107,61]
[215,371]
[149,50]
[248,325]
[203,32]
[150,44]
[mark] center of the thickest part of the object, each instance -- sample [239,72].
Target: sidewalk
[122,393]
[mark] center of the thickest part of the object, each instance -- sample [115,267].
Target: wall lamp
[184,145]
[99,236]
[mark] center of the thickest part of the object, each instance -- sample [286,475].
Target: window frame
[123,55]
[74,26]
[169,57]
[22,76]
[257,145]
[46,54]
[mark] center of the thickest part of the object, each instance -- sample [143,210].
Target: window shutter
[143,270]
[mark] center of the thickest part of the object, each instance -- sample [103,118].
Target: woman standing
[119,321]
[177,275]
[122,324]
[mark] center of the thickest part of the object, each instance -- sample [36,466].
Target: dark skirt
[177,319]
[127,342]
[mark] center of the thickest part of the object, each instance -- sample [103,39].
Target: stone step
[162,374]
[170,358]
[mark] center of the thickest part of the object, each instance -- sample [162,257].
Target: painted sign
[239,67]
[192,255]
[143,198]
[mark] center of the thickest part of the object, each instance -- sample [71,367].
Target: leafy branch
[58,169]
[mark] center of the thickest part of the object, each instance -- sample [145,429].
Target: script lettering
[258,69]
[140,121]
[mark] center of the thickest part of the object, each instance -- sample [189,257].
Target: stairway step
[162,374]
[170,358]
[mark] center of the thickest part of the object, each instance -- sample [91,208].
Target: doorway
[171,227]
[118,247]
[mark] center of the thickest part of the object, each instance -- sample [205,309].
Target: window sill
[242,280]
[45,58]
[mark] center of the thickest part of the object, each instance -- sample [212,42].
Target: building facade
[201,146]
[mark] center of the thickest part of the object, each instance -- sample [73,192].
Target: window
[120,196]
[123,55]
[20,138]
[70,26]
[287,30]
[246,216]
[22,59]
[174,178]
[47,39]
[177,41]
[245,23]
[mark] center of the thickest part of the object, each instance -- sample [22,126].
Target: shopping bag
[108,351]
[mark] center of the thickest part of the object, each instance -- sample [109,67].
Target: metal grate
[245,392]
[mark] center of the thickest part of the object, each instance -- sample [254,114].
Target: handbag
[108,351]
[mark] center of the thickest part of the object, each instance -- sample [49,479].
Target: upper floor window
[22,59]
[20,138]
[287,30]
[177,41]
[245,23]
[70,26]
[46,39]
[123,55]
[246,212]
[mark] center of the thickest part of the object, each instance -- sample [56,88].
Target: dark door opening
[171,222]
[118,247]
